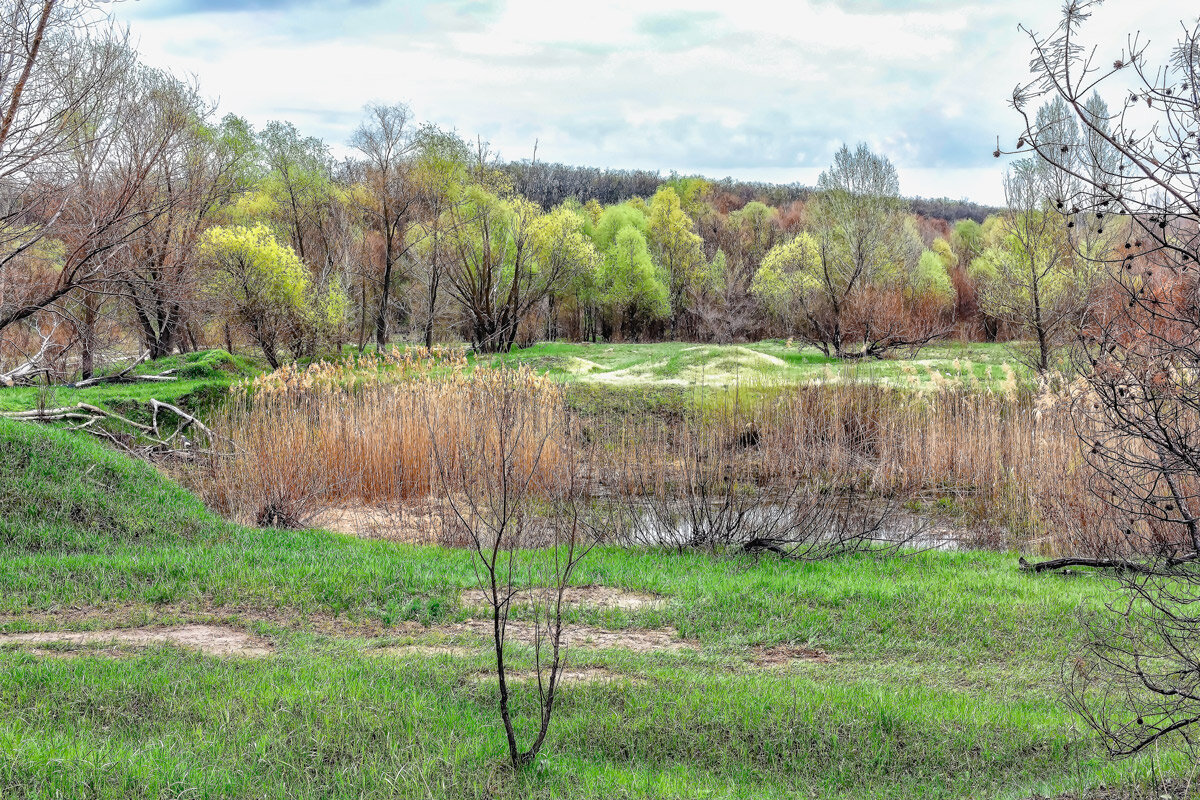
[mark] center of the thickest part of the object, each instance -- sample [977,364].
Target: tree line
[129,209]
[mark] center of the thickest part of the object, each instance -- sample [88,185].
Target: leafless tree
[387,142]
[1138,678]
[519,488]
[58,72]
[203,169]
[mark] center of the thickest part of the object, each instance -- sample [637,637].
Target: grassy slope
[944,684]
[683,365]
[202,378]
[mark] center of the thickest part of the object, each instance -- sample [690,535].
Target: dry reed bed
[399,429]
[376,433]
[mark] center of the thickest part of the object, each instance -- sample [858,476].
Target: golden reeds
[390,429]
[331,434]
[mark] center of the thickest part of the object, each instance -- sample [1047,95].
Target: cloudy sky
[753,88]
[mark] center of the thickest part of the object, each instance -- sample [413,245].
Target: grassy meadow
[685,365]
[938,673]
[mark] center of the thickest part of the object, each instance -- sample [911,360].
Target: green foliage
[263,286]
[628,281]
[945,253]
[250,265]
[931,280]
[967,240]
[787,275]
[756,230]
[614,219]
[561,246]
[678,249]
[1029,275]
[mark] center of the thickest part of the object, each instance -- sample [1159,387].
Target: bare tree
[58,73]
[204,168]
[519,488]
[386,141]
[1137,680]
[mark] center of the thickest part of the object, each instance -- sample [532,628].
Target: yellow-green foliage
[930,278]
[945,252]
[679,250]
[250,264]
[787,274]
[560,245]
[628,279]
[264,285]
[1029,250]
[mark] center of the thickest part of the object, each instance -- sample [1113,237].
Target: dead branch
[81,411]
[1120,564]
[188,421]
[87,417]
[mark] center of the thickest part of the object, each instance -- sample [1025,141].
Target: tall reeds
[299,441]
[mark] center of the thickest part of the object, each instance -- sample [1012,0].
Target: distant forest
[549,185]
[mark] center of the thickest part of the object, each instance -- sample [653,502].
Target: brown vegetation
[300,441]
[841,456]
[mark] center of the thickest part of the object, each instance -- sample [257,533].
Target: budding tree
[1138,681]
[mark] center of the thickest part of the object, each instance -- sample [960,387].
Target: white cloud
[763,87]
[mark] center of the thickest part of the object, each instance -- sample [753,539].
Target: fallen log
[125,376]
[83,411]
[1119,564]
[188,421]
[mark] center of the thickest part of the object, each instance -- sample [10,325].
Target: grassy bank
[684,365]
[200,379]
[943,681]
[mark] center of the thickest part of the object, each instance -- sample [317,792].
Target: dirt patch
[587,638]
[593,596]
[426,524]
[568,676]
[176,615]
[210,639]
[782,655]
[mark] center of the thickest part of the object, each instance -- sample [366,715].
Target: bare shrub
[520,487]
[721,482]
[1137,678]
[1010,460]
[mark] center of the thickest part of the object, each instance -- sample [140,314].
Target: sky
[751,89]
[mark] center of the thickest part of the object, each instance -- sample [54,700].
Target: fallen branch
[188,421]
[125,376]
[81,411]
[87,416]
[1120,564]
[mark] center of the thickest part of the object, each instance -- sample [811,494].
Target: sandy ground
[594,596]
[214,640]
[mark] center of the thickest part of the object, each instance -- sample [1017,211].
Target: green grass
[203,378]
[945,683]
[680,365]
